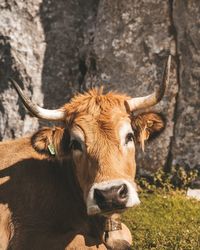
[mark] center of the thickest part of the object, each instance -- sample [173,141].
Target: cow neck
[96,226]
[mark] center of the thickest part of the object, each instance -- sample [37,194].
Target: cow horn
[46,114]
[150,100]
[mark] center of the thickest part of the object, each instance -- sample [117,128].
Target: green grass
[165,221]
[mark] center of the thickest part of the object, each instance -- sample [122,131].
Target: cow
[65,187]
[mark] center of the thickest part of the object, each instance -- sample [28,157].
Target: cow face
[102,142]
[100,137]
[103,151]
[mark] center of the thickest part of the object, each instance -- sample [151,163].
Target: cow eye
[129,137]
[76,145]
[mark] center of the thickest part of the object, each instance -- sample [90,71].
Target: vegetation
[166,218]
[168,221]
[178,178]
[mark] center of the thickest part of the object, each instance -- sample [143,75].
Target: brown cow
[63,188]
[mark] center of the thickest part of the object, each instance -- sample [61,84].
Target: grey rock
[57,48]
[193,193]
[21,56]
[186,143]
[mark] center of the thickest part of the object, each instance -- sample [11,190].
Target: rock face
[186,147]
[21,56]
[56,48]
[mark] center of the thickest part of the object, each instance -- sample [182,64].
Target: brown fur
[42,196]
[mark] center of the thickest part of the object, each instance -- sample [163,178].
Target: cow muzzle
[111,196]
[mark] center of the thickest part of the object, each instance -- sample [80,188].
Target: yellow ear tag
[51,149]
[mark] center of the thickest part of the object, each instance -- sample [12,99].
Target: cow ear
[147,126]
[51,141]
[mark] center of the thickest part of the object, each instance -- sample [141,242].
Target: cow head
[101,134]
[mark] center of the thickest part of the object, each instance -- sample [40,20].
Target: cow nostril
[123,191]
[112,197]
[99,196]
